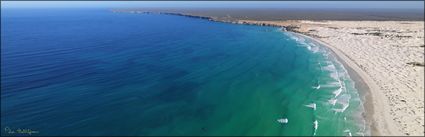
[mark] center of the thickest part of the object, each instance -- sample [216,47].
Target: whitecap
[344,107]
[331,84]
[283,120]
[314,48]
[348,131]
[316,125]
[316,87]
[312,105]
[330,67]
[337,92]
[332,101]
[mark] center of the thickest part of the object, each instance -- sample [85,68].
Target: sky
[217,4]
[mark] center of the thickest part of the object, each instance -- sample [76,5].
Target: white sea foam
[332,101]
[298,39]
[314,48]
[348,132]
[334,75]
[344,100]
[312,105]
[330,67]
[331,84]
[304,43]
[316,87]
[320,65]
[360,133]
[340,85]
[316,125]
[337,92]
[308,47]
[283,120]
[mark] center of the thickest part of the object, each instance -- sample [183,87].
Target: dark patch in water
[205,58]
[178,91]
[174,74]
[66,71]
[188,50]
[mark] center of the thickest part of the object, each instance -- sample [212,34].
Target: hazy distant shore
[274,14]
[385,49]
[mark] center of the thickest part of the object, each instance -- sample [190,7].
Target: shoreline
[362,82]
[379,102]
[359,82]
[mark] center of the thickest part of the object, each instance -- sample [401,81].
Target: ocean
[96,72]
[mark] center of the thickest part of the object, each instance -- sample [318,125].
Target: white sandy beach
[382,53]
[383,50]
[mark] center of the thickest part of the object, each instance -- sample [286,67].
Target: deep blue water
[95,72]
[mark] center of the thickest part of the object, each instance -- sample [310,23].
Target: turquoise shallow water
[94,72]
